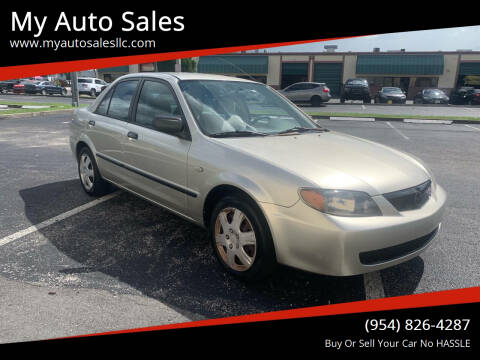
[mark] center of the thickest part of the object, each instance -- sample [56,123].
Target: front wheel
[241,238]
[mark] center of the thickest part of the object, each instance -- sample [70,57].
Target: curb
[33,114]
[409,104]
[405,120]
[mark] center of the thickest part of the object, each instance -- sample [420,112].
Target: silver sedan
[269,184]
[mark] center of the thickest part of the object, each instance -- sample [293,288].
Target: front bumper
[435,101]
[394,100]
[332,245]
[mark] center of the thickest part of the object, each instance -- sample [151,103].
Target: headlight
[340,202]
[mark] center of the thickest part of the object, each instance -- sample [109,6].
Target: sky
[449,39]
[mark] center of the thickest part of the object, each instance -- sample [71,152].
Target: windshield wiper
[243,133]
[298,129]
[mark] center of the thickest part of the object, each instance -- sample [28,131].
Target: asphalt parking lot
[124,263]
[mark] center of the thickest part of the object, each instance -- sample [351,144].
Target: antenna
[228,62]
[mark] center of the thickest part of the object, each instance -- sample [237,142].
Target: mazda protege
[271,186]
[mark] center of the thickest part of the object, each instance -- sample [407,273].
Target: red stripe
[25,71]
[448,297]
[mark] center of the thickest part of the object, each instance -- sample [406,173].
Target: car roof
[186,76]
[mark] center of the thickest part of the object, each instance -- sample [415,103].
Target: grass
[51,107]
[385,116]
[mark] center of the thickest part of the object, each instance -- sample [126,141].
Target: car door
[107,128]
[292,92]
[305,93]
[158,161]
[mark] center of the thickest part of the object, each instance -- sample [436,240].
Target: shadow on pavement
[171,260]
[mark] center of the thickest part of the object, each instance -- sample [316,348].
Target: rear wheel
[90,177]
[44,92]
[316,101]
[93,93]
[241,238]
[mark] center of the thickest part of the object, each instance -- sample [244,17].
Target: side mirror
[168,124]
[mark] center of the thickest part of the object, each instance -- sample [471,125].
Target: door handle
[91,123]
[132,135]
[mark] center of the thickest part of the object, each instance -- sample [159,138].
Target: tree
[189,65]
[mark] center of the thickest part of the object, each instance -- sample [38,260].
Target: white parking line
[43,224]
[421,121]
[373,284]
[472,127]
[398,131]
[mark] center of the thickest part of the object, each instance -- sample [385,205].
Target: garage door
[329,73]
[293,73]
[470,68]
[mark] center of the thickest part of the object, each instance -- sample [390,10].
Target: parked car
[269,184]
[7,85]
[356,89]
[465,95]
[431,96]
[90,86]
[44,88]
[390,95]
[309,92]
[19,88]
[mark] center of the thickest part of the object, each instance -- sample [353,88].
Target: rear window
[357,82]
[85,80]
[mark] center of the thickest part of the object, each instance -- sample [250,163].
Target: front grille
[395,252]
[411,198]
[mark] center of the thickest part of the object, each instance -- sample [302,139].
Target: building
[411,71]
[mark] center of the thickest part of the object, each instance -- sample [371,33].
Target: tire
[93,93]
[89,175]
[316,101]
[64,92]
[255,259]
[367,101]
[342,100]
[44,92]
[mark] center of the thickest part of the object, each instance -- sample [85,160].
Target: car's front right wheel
[241,238]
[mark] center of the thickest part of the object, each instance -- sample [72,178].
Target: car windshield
[237,108]
[435,92]
[392,90]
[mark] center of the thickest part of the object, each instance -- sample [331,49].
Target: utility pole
[74,88]
[178,65]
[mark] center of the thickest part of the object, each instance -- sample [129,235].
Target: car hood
[333,160]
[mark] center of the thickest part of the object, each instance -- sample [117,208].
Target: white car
[91,86]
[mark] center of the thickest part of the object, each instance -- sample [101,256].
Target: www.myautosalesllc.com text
[82,44]
[397,344]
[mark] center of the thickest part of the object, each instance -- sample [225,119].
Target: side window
[156,99]
[121,99]
[103,107]
[98,82]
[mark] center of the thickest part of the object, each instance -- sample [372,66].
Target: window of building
[426,82]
